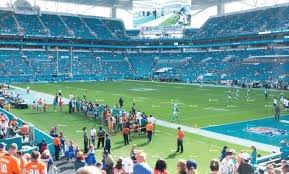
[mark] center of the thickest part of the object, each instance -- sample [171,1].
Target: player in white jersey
[238,94]
[175,112]
[248,94]
[266,93]
[229,95]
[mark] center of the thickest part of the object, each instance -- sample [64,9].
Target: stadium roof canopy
[128,4]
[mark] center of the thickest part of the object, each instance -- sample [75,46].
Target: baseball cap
[191,164]
[245,156]
[2,145]
[127,164]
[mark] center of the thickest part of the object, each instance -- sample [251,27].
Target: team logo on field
[268,131]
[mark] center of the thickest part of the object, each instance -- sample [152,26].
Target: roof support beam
[220,8]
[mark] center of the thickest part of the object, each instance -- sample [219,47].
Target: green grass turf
[163,146]
[199,107]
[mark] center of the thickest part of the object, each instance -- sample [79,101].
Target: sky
[127,16]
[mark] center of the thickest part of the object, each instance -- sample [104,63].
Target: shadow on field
[172,156]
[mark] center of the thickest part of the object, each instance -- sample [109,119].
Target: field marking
[99,100]
[143,98]
[142,89]
[179,103]
[213,100]
[193,106]
[156,106]
[231,106]
[61,125]
[284,121]
[216,109]
[251,100]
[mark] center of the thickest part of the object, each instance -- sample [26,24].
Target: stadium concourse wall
[38,135]
[63,78]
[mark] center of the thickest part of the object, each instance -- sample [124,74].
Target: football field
[200,107]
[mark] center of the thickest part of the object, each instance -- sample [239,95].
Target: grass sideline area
[163,145]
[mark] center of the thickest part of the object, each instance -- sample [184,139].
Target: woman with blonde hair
[181,167]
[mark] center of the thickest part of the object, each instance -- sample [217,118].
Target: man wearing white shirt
[92,136]
[228,164]
[275,101]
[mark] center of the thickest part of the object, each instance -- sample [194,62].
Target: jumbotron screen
[164,13]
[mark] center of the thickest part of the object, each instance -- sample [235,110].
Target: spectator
[108,162]
[223,153]
[245,167]
[214,167]
[10,162]
[270,169]
[79,162]
[90,159]
[285,169]
[62,142]
[133,152]
[22,160]
[35,164]
[100,137]
[118,167]
[228,164]
[88,170]
[92,136]
[100,166]
[85,140]
[47,159]
[2,149]
[161,167]
[24,131]
[125,133]
[127,165]
[141,166]
[254,156]
[57,147]
[191,166]
[107,145]
[181,167]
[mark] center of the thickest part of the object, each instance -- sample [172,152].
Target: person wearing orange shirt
[57,145]
[180,138]
[9,164]
[2,149]
[125,133]
[23,161]
[149,129]
[35,166]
